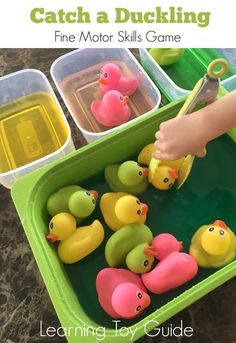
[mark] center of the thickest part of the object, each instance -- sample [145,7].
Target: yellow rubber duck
[75,243]
[145,154]
[162,177]
[213,246]
[120,209]
[164,174]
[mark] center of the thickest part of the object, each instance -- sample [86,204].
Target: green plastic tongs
[207,88]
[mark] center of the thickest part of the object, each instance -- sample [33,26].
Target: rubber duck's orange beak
[146,300]
[126,99]
[174,173]
[51,237]
[145,172]
[150,251]
[220,223]
[103,81]
[94,194]
[144,209]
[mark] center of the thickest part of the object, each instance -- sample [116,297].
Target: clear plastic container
[33,128]
[230,83]
[76,77]
[178,80]
[170,89]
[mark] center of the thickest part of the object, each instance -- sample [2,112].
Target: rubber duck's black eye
[139,212]
[221,232]
[138,202]
[166,179]
[140,173]
[121,98]
[146,263]
[87,193]
[139,295]
[138,308]
[105,75]
[51,225]
[211,229]
[93,201]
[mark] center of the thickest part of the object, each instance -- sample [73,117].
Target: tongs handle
[206,89]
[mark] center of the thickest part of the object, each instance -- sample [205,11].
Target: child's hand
[189,134]
[179,137]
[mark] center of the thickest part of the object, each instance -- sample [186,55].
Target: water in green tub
[208,194]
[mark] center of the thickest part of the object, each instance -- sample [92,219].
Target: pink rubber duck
[112,110]
[163,245]
[111,78]
[121,293]
[173,271]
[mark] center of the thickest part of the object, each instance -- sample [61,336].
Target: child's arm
[190,134]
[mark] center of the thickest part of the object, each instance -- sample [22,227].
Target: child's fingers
[201,153]
[162,156]
[158,135]
[159,145]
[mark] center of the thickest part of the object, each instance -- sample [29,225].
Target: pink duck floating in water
[112,110]
[163,245]
[121,293]
[173,271]
[111,79]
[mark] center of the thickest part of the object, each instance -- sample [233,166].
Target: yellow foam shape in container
[31,127]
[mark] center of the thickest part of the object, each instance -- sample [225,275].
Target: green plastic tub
[176,80]
[208,194]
